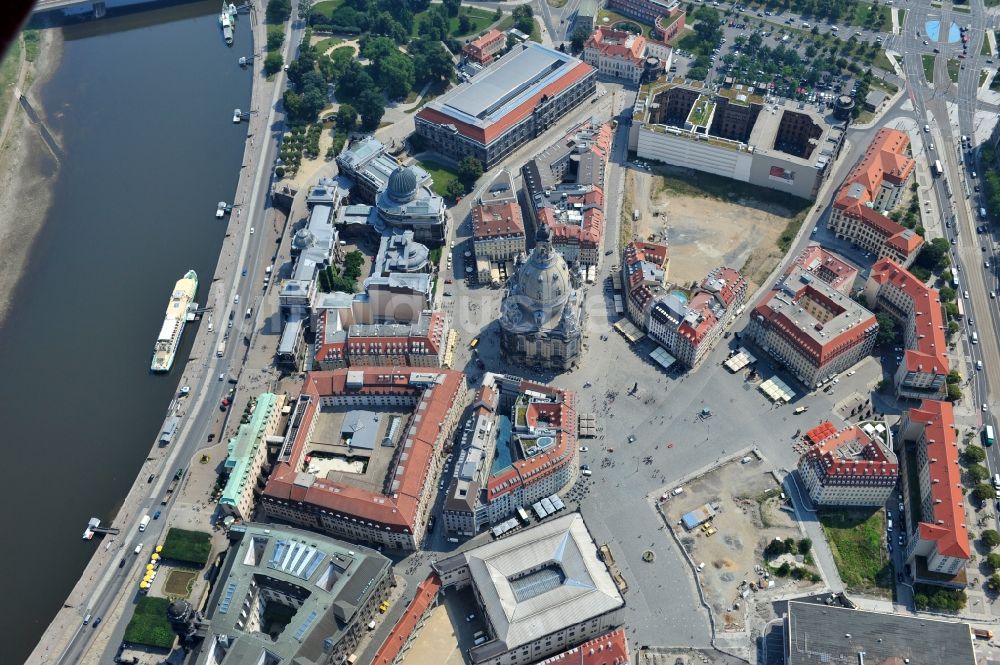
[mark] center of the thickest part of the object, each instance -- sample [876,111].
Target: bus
[938,170]
[988,435]
[960,307]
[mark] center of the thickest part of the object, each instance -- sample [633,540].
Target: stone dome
[303,239]
[539,291]
[179,610]
[402,185]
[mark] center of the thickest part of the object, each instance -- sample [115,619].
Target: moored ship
[173,324]
[226,19]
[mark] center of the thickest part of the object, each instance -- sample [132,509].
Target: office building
[363,452]
[874,186]
[518,446]
[486,47]
[923,372]
[540,592]
[852,467]
[645,269]
[515,99]
[826,266]
[616,54]
[247,453]
[497,226]
[811,328]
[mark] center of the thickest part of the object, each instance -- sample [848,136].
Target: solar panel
[317,559]
[228,598]
[306,625]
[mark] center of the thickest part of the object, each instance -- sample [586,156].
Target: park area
[190,547]
[728,547]
[179,583]
[149,625]
[857,542]
[716,222]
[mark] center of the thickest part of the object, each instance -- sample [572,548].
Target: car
[447,293]
[153,475]
[211,438]
[97,622]
[244,272]
[222,377]
[585,467]
[251,230]
[985,408]
[937,50]
[584,449]
[448,280]
[471,617]
[156,515]
[925,42]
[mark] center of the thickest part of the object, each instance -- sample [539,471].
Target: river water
[143,107]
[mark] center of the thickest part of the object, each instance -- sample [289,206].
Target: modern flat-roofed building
[328,590]
[819,634]
[484,48]
[876,184]
[518,446]
[923,373]
[727,132]
[938,547]
[564,189]
[616,54]
[811,328]
[382,493]
[540,591]
[586,13]
[646,11]
[852,467]
[247,452]
[515,99]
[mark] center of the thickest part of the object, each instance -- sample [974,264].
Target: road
[209,376]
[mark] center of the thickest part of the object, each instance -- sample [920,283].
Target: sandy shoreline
[26,173]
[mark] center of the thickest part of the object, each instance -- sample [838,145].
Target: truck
[221,349]
[635,215]
[144,523]
[938,169]
[982,633]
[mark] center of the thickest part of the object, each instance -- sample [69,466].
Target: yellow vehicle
[474,342]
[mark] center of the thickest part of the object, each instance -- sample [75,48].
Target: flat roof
[820,635]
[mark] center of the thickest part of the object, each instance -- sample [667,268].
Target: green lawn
[327,7]
[8,76]
[442,175]
[855,538]
[149,625]
[616,18]
[479,20]
[31,39]
[953,66]
[983,74]
[985,50]
[324,45]
[863,9]
[928,67]
[882,62]
[991,3]
[188,546]
[507,23]
[961,8]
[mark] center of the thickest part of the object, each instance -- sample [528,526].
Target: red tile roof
[608,649]
[872,459]
[355,348]
[821,432]
[562,414]
[395,510]
[948,529]
[497,220]
[930,352]
[423,600]
[482,49]
[487,134]
[827,266]
[618,44]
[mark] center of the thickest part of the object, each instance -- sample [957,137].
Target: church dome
[539,291]
[303,239]
[402,185]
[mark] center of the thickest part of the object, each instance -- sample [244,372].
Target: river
[143,107]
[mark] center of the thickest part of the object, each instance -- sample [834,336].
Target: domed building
[541,317]
[406,205]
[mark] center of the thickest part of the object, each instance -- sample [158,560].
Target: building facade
[876,184]
[923,372]
[939,544]
[515,99]
[486,47]
[616,54]
[852,467]
[541,316]
[645,270]
[811,328]
[246,455]
[389,510]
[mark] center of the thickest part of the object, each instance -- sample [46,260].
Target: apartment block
[852,467]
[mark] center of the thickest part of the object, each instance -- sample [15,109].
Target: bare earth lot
[745,525]
[705,231]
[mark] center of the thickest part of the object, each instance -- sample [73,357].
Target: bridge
[94,527]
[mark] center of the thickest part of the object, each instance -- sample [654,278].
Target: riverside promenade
[67,640]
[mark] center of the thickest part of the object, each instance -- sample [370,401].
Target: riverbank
[27,170]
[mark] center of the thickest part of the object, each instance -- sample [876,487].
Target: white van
[979,365]
[975,338]
[237,299]
[249,311]
[996,481]
[965,294]
[889,527]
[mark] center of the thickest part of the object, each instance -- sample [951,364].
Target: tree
[393,73]
[974,454]
[954,392]
[933,255]
[498,14]
[278,11]
[275,37]
[579,39]
[371,107]
[469,170]
[273,62]
[455,189]
[984,492]
[886,329]
[347,117]
[978,473]
[805,546]
[431,62]
[464,24]
[946,293]
[993,583]
[524,19]
[993,561]
[775,548]
[353,81]
[990,538]
[452,6]
[783,569]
